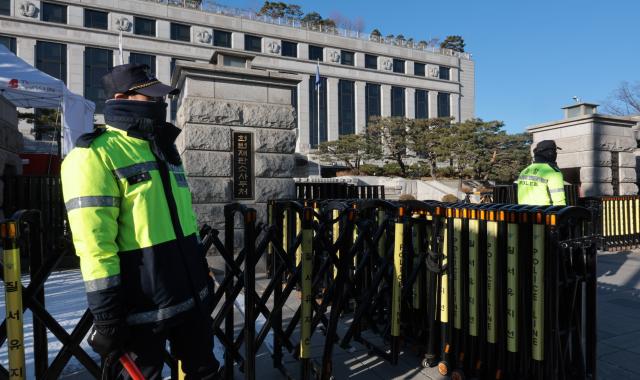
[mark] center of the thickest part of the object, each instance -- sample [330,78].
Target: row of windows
[51,58]
[373,107]
[57,13]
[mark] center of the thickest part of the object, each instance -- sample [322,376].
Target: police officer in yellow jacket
[541,183]
[133,227]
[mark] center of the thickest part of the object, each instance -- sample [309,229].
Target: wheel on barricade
[457,375]
[443,368]
[429,361]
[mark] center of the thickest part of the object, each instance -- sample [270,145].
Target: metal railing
[211,7]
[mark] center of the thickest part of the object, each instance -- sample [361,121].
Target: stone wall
[10,146]
[215,102]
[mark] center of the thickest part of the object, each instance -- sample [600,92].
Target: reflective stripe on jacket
[134,230]
[541,184]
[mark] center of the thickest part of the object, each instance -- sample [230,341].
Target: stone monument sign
[238,133]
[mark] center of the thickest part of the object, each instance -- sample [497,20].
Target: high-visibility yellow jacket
[134,230]
[541,184]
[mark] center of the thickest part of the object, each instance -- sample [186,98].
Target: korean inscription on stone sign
[242,165]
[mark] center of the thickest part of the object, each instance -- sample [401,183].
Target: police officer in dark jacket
[129,208]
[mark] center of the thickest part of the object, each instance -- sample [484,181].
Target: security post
[13,295]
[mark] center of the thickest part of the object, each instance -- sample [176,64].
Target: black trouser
[191,342]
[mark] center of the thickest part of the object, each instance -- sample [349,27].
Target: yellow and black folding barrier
[618,220]
[13,297]
[488,291]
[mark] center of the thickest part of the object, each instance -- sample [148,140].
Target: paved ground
[618,334]
[619,315]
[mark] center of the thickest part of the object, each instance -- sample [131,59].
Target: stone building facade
[10,146]
[598,151]
[361,75]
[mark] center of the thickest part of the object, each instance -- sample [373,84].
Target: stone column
[26,48]
[304,122]
[410,102]
[597,151]
[385,94]
[332,109]
[75,68]
[455,106]
[433,103]
[215,103]
[361,116]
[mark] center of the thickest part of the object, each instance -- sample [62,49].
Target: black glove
[108,336]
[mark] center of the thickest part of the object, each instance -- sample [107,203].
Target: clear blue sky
[531,56]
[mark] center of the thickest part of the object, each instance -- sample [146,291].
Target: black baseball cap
[135,77]
[546,145]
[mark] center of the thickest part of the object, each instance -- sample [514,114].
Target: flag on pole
[120,48]
[317,76]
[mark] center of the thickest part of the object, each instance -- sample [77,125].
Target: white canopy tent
[27,87]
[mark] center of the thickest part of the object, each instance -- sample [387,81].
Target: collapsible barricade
[491,291]
[619,218]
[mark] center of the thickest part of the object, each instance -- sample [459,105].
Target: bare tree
[625,100]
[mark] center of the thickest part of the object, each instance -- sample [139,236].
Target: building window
[419,69]
[180,32]
[372,101]
[234,61]
[96,19]
[252,43]
[346,108]
[316,109]
[221,38]
[97,62]
[422,104]
[444,104]
[346,58]
[444,72]
[144,26]
[9,43]
[149,60]
[5,7]
[316,53]
[52,59]
[371,61]
[54,12]
[397,101]
[398,66]
[289,49]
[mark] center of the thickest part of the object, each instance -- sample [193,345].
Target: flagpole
[318,97]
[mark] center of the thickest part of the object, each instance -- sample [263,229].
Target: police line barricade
[22,237]
[23,233]
[337,190]
[618,220]
[489,290]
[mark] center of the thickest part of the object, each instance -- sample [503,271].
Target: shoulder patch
[84,141]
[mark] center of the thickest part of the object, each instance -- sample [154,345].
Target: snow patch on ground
[66,302]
